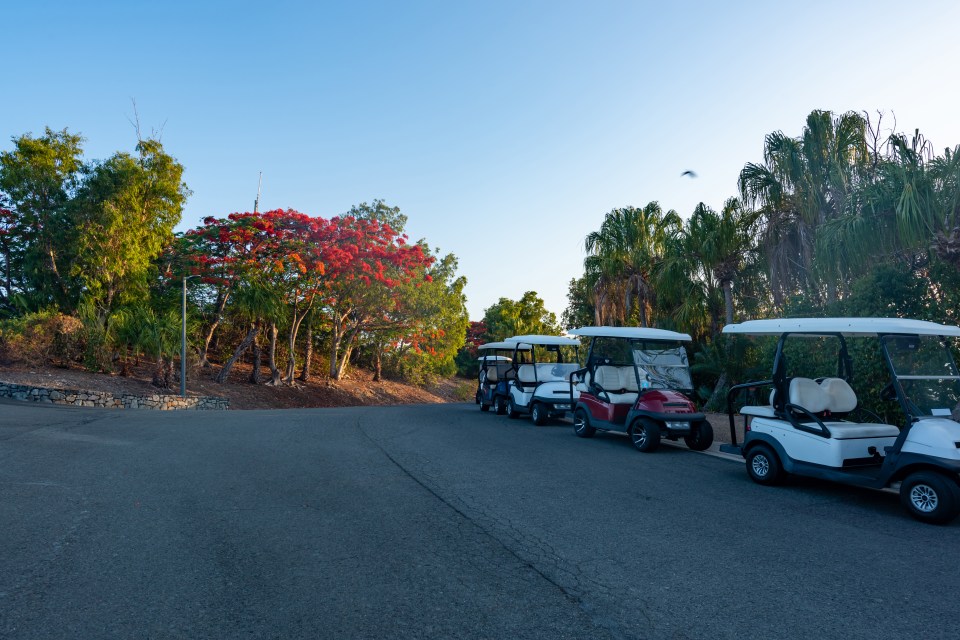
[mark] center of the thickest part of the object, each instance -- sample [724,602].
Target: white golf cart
[634,381]
[541,384]
[496,370]
[809,426]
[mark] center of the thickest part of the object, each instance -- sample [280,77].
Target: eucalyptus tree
[528,315]
[622,256]
[802,184]
[39,177]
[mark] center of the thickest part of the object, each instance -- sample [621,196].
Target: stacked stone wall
[106,399]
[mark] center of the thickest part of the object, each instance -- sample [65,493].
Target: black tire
[484,407]
[512,412]
[930,497]
[539,414]
[499,406]
[581,424]
[645,435]
[701,436]
[763,465]
[477,398]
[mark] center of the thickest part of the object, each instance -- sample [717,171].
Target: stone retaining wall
[163,402]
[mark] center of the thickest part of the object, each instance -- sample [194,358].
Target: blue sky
[504,130]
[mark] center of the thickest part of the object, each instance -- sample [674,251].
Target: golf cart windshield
[927,373]
[665,364]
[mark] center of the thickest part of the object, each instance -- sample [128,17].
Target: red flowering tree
[368,261]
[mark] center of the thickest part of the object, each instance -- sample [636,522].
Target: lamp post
[183,341]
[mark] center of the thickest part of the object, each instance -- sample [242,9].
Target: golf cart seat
[821,401]
[527,375]
[491,373]
[611,381]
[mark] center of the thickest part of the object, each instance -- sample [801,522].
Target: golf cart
[814,426]
[541,383]
[495,370]
[634,381]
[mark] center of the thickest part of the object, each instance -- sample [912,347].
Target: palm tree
[802,184]
[621,259]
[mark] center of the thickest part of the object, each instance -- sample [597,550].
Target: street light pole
[183,343]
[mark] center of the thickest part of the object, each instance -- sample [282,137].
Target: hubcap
[924,498]
[579,423]
[761,466]
[639,436]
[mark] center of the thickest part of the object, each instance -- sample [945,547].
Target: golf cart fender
[934,437]
[753,439]
[664,417]
[908,463]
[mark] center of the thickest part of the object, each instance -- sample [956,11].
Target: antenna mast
[256,203]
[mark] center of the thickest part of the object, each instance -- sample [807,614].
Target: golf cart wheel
[701,436]
[581,424]
[645,435]
[763,465]
[930,497]
[499,406]
[484,407]
[539,413]
[511,409]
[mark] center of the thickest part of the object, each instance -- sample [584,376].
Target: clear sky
[504,130]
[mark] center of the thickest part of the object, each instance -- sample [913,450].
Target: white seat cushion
[849,430]
[842,399]
[806,393]
[526,374]
[628,379]
[608,378]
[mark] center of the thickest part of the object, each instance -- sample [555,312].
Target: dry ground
[356,389]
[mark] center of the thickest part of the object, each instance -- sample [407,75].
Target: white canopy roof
[845,326]
[539,340]
[506,345]
[638,333]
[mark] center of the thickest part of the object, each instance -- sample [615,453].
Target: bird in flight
[688,173]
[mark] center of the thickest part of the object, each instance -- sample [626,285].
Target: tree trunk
[157,380]
[244,345]
[255,376]
[718,394]
[377,361]
[218,316]
[728,300]
[272,356]
[308,355]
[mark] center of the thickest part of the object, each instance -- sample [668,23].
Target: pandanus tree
[909,212]
[622,256]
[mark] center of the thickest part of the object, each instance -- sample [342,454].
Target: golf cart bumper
[675,423]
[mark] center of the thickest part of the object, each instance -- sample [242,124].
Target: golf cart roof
[506,345]
[638,333]
[844,326]
[538,340]
[495,358]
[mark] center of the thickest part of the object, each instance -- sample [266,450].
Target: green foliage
[528,315]
[580,311]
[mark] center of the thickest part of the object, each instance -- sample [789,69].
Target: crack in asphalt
[578,584]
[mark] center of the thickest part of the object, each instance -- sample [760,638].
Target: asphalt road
[435,521]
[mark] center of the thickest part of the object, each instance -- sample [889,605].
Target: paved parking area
[434,521]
